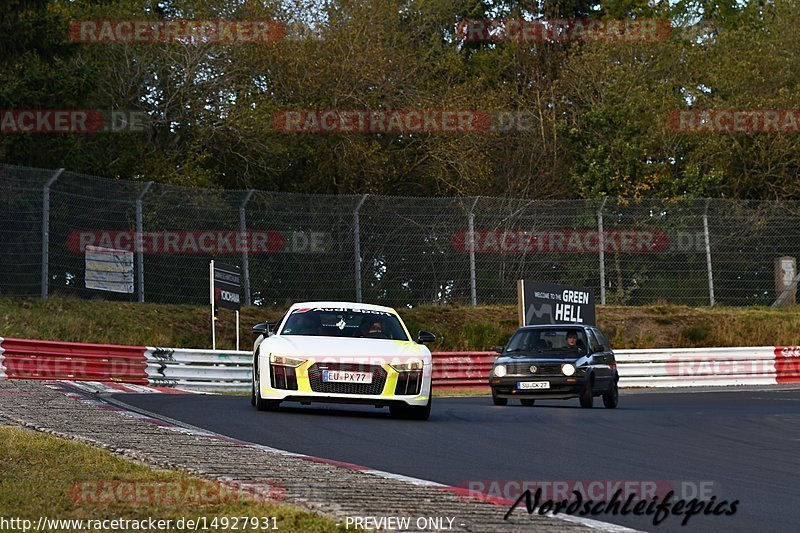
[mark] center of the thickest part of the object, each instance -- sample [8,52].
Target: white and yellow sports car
[342,352]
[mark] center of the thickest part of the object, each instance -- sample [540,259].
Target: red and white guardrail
[221,369]
[2,367]
[33,359]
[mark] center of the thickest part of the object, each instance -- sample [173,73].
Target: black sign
[548,303]
[227,285]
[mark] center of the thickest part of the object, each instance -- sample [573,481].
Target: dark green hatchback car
[555,362]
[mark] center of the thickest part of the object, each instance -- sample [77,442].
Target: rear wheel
[527,402]
[497,400]
[611,398]
[586,398]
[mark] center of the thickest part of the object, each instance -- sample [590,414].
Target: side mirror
[499,349]
[261,329]
[425,337]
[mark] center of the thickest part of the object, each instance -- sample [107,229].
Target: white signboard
[109,270]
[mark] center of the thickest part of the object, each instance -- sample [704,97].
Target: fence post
[708,254]
[246,248]
[602,246]
[137,241]
[357,245]
[473,289]
[46,233]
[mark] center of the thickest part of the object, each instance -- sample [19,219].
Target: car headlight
[500,371]
[281,360]
[410,366]
[568,369]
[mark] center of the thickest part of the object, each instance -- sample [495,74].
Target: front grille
[542,369]
[374,389]
[408,383]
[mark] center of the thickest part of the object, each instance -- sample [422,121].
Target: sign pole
[213,323]
[237,330]
[226,286]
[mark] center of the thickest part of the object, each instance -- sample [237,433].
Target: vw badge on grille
[533,369]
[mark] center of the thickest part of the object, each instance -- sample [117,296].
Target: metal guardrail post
[137,241]
[357,245]
[601,243]
[246,248]
[708,254]
[46,232]
[473,288]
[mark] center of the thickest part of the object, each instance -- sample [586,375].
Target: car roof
[345,305]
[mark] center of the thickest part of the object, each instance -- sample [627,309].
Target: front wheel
[252,392]
[587,398]
[497,400]
[412,412]
[611,398]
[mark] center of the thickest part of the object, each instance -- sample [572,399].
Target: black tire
[256,399]
[611,398]
[498,401]
[412,412]
[587,398]
[527,402]
[252,392]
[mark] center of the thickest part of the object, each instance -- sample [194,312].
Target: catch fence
[398,251]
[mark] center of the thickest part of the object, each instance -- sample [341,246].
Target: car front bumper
[560,387]
[389,387]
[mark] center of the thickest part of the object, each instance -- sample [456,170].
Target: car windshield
[555,342]
[338,322]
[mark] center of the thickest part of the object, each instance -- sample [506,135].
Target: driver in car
[572,340]
[372,329]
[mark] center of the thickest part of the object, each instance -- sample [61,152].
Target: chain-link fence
[394,250]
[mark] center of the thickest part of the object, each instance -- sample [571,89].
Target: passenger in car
[308,325]
[372,329]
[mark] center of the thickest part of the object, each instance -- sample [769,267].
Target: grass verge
[42,475]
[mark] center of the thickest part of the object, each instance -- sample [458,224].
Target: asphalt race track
[742,445]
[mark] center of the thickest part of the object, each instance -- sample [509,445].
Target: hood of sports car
[344,349]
